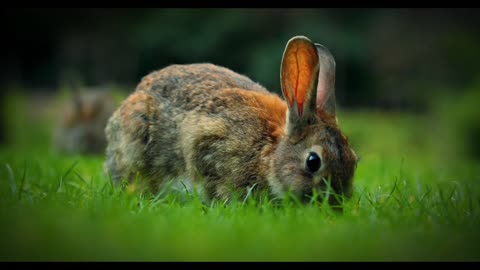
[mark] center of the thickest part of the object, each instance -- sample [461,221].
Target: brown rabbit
[202,121]
[81,129]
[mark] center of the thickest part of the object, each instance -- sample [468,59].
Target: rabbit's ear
[326,81]
[299,76]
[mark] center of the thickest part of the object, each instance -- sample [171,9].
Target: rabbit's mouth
[320,191]
[321,180]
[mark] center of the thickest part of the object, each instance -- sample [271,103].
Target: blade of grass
[22,182]
[13,183]
[60,183]
[249,194]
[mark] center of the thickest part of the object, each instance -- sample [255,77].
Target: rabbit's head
[84,118]
[313,154]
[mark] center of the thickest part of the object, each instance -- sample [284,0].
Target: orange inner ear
[298,72]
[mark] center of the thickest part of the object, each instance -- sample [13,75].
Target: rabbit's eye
[313,162]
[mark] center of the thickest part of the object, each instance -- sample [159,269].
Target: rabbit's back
[186,118]
[168,81]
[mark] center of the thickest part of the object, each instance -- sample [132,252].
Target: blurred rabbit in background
[81,129]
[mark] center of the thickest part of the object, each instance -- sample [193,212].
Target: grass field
[414,199]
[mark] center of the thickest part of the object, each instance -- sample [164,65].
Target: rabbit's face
[313,154]
[83,122]
[312,160]
[88,109]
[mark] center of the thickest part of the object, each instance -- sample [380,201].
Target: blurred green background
[409,60]
[391,58]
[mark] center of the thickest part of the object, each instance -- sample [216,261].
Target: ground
[413,200]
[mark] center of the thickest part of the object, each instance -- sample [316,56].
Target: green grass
[413,200]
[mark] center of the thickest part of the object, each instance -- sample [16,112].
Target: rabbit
[219,128]
[81,129]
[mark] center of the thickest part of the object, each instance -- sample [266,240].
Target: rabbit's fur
[208,123]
